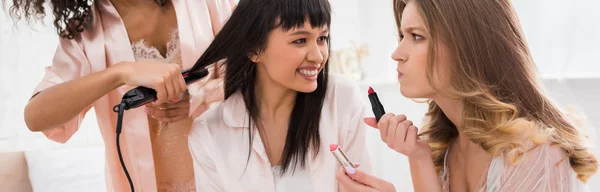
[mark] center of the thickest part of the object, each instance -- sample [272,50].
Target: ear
[254,56]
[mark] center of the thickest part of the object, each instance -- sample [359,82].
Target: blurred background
[564,37]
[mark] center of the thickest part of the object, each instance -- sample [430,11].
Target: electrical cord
[120,109]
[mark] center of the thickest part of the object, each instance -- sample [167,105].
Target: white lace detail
[141,51]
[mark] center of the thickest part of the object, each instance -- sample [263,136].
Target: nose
[317,54]
[400,55]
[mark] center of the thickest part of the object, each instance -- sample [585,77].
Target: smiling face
[412,55]
[293,59]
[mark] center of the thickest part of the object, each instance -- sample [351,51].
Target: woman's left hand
[352,179]
[170,111]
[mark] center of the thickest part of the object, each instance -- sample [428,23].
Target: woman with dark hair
[282,109]
[108,47]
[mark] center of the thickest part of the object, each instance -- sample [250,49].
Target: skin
[399,133]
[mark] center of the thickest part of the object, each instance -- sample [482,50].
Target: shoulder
[343,89]
[211,118]
[552,154]
[218,8]
[545,166]
[222,118]
[341,83]
[539,159]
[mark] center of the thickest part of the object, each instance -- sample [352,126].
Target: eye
[417,37]
[323,38]
[300,41]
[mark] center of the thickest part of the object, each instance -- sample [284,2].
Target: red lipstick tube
[376,104]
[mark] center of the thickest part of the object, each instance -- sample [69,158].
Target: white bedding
[73,169]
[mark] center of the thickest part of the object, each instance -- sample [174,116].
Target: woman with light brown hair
[489,126]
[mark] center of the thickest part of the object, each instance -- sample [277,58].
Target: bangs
[294,13]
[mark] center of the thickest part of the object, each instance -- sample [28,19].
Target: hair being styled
[71,17]
[246,33]
[493,74]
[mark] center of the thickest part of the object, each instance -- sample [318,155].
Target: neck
[274,101]
[126,4]
[453,109]
[134,7]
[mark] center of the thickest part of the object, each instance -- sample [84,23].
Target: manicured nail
[350,170]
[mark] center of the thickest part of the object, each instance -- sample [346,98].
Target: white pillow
[67,169]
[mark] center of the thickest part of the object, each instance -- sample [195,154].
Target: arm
[399,134]
[69,88]
[70,98]
[424,177]
[58,109]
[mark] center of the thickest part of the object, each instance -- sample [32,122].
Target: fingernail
[350,170]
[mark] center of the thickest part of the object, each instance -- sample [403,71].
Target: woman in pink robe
[88,69]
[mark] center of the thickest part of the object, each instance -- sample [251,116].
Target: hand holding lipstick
[400,134]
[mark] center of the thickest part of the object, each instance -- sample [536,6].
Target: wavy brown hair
[71,17]
[493,74]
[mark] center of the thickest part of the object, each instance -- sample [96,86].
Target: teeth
[309,72]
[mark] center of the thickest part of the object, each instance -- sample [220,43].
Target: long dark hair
[246,32]
[71,17]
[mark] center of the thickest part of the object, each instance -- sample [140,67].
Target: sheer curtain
[564,37]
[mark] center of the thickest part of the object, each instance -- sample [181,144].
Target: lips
[309,73]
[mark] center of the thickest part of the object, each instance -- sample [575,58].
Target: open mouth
[308,74]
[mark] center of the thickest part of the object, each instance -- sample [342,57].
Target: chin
[307,88]
[410,93]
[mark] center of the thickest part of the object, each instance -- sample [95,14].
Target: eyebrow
[414,28]
[303,32]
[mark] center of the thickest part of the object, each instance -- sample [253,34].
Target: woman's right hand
[165,79]
[400,134]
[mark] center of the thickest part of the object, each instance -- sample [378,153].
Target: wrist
[420,161]
[118,73]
